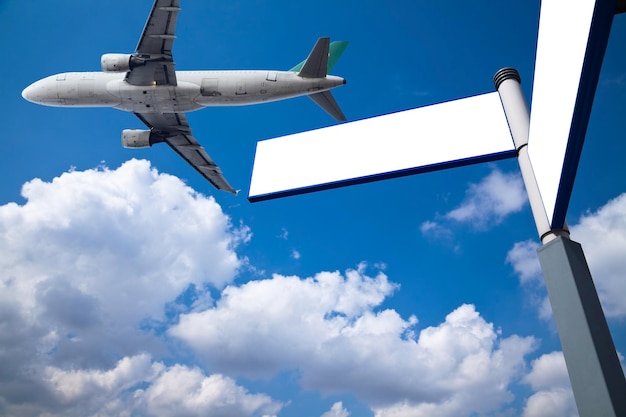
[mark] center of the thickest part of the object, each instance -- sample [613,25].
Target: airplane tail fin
[332,55]
[318,64]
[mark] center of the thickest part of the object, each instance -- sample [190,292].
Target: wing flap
[158,33]
[155,46]
[174,130]
[191,151]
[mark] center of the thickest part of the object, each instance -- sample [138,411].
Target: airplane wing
[174,129]
[155,46]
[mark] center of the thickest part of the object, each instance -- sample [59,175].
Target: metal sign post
[592,363]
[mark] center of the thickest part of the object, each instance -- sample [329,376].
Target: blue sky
[131,287]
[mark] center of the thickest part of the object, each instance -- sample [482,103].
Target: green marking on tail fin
[335,50]
[298,67]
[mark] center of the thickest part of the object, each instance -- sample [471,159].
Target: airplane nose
[43,92]
[26,93]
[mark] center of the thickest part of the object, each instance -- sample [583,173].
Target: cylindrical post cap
[506,74]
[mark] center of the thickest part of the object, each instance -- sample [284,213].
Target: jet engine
[137,139]
[120,62]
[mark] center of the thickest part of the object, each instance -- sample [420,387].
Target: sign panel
[454,133]
[570,48]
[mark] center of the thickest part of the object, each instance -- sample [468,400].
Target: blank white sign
[570,50]
[453,133]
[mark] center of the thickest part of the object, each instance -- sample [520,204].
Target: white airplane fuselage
[194,90]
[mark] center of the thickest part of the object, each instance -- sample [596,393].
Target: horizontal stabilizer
[326,101]
[316,64]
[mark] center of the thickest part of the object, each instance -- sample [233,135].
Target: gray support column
[592,363]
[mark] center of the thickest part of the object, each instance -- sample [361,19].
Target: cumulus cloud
[486,204]
[327,328]
[117,232]
[73,387]
[603,236]
[186,392]
[490,201]
[93,257]
[553,396]
[336,410]
[525,262]
[139,386]
[523,258]
[282,317]
[133,251]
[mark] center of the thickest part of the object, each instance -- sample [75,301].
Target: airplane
[146,84]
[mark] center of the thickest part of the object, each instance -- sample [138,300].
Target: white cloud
[114,233]
[490,201]
[548,371]
[553,395]
[138,386]
[121,245]
[486,204]
[545,308]
[327,329]
[441,233]
[269,315]
[525,262]
[603,237]
[435,230]
[295,254]
[284,234]
[74,386]
[89,259]
[523,257]
[336,410]
[187,392]
[470,369]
